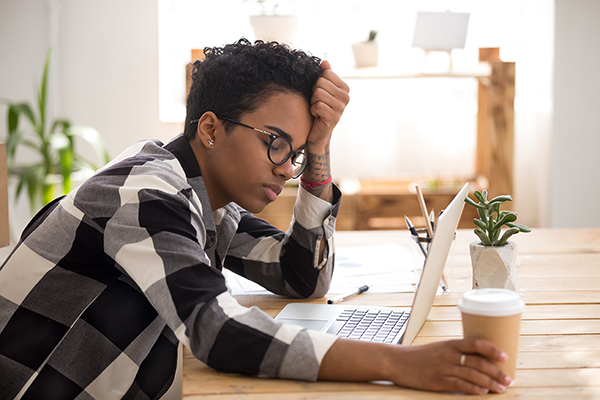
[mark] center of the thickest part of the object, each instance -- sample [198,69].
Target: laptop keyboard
[369,325]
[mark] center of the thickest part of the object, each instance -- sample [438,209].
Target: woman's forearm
[455,365]
[318,171]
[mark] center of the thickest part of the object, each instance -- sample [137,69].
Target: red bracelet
[311,185]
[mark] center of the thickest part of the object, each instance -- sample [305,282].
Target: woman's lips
[272,191]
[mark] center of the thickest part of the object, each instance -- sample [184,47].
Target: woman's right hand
[435,367]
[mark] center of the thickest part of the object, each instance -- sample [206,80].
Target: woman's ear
[207,127]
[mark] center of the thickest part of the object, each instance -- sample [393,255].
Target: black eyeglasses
[279,150]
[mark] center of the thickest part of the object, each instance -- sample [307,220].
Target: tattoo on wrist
[317,167]
[318,170]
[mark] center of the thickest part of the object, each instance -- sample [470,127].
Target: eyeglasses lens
[299,164]
[279,152]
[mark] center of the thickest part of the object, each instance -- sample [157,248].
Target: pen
[410,226]
[443,283]
[424,210]
[432,223]
[413,231]
[432,219]
[346,296]
[429,226]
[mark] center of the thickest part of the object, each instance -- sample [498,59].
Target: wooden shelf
[483,70]
[378,205]
[494,156]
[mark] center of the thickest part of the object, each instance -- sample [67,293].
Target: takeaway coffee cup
[494,315]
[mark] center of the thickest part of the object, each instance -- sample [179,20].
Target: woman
[106,281]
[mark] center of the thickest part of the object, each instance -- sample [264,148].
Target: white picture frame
[440,31]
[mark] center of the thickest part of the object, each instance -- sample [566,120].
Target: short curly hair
[238,77]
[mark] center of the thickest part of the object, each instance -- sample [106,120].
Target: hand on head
[328,102]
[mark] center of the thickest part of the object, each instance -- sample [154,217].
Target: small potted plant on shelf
[366,54]
[269,25]
[493,258]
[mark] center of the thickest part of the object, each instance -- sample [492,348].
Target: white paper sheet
[386,268]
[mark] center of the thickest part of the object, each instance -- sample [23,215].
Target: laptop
[386,324]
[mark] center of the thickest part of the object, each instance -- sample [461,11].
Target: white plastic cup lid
[491,302]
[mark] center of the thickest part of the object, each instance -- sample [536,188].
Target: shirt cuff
[305,354]
[311,211]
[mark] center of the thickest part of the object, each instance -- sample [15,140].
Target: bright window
[428,116]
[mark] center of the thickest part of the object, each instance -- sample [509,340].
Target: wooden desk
[559,349]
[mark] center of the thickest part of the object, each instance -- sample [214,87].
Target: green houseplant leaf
[491,220]
[54,144]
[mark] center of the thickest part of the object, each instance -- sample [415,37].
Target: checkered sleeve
[288,263]
[157,236]
[105,282]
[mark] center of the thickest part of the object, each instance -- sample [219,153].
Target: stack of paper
[386,268]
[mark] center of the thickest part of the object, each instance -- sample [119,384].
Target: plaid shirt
[106,282]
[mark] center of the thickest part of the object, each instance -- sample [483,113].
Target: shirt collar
[180,148]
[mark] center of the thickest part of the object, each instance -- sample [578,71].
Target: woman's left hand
[329,99]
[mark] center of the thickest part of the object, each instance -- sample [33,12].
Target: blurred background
[119,67]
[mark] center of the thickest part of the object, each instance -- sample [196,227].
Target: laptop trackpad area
[314,324]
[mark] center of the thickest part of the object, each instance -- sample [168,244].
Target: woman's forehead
[285,114]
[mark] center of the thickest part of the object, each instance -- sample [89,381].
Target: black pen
[410,226]
[346,296]
[413,231]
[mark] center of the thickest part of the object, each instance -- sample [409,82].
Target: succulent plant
[491,219]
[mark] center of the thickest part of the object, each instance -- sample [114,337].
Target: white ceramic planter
[494,266]
[281,28]
[366,54]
